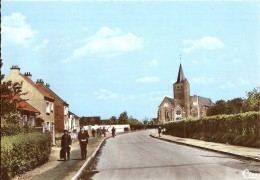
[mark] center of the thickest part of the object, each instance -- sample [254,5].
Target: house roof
[54,94]
[23,105]
[44,93]
[73,114]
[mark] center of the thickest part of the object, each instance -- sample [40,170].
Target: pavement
[56,168]
[246,153]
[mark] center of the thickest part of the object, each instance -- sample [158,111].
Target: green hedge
[239,129]
[23,152]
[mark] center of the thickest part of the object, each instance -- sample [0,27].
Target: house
[37,98]
[28,112]
[182,105]
[60,109]
[73,122]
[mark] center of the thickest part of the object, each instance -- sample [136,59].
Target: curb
[214,150]
[88,161]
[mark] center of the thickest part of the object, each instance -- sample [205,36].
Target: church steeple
[180,77]
[181,92]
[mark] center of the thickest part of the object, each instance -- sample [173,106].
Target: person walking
[83,141]
[104,131]
[65,145]
[159,131]
[113,131]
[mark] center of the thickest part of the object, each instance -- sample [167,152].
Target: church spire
[180,77]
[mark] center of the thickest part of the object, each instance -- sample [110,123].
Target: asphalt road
[138,156]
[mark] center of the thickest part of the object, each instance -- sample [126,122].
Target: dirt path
[58,169]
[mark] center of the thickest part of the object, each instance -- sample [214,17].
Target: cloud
[153,63]
[226,85]
[42,45]
[202,80]
[206,42]
[108,42]
[105,94]
[147,79]
[15,30]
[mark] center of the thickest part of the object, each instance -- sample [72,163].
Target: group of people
[99,132]
[83,141]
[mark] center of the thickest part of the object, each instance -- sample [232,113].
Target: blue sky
[107,57]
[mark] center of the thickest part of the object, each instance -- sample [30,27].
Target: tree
[123,118]
[234,106]
[219,108]
[113,120]
[252,103]
[10,97]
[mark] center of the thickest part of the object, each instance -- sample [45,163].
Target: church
[182,105]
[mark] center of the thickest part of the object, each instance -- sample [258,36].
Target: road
[138,156]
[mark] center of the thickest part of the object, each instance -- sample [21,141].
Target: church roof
[205,101]
[180,77]
[171,100]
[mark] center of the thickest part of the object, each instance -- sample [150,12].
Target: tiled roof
[50,92]
[205,101]
[44,93]
[53,93]
[23,105]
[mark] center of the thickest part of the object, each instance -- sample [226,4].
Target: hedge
[23,152]
[239,129]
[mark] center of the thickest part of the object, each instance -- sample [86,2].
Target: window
[52,104]
[66,110]
[48,107]
[32,121]
[24,120]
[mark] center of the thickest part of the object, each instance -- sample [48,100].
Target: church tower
[181,92]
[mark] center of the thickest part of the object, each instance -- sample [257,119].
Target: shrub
[240,129]
[23,152]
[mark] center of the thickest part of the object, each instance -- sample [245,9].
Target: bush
[240,129]
[23,152]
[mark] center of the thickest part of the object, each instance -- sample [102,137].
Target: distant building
[73,122]
[90,120]
[182,105]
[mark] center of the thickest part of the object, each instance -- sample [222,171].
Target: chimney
[40,81]
[14,70]
[47,85]
[28,74]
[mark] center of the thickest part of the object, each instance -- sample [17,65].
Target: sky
[107,57]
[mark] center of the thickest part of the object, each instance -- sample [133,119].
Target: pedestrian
[98,132]
[159,131]
[113,131]
[83,141]
[65,145]
[93,132]
[104,131]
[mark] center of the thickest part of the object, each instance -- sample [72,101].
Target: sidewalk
[57,168]
[238,151]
